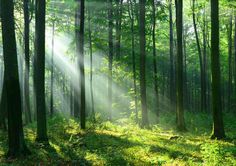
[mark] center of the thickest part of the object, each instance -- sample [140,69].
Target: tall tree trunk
[203,89]
[131,15]
[16,143]
[40,71]
[52,70]
[204,63]
[91,64]
[156,97]
[230,44]
[81,66]
[185,71]
[110,56]
[172,82]
[179,28]
[235,60]
[118,26]
[142,12]
[3,103]
[218,125]
[76,90]
[27,61]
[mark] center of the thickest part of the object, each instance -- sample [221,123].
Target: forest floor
[124,143]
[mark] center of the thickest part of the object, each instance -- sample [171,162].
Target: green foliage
[124,143]
[214,153]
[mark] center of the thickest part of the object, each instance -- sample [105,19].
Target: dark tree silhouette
[218,125]
[40,71]
[16,143]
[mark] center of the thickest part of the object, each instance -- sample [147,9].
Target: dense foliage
[118,82]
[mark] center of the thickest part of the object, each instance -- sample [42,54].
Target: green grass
[124,143]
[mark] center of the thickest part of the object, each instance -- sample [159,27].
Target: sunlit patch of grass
[122,142]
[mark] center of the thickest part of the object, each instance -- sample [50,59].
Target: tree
[40,71]
[235,57]
[27,60]
[218,125]
[91,64]
[202,74]
[205,59]
[119,4]
[81,66]
[131,15]
[185,78]
[179,91]
[156,95]
[172,82]
[3,104]
[16,143]
[110,56]
[230,44]
[76,91]
[142,41]
[52,66]
[79,32]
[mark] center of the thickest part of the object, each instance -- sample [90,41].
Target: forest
[118,82]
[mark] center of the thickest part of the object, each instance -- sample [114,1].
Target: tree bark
[80,60]
[186,101]
[52,70]
[230,44]
[110,56]
[16,143]
[218,125]
[203,82]
[118,27]
[172,82]
[205,74]
[27,61]
[40,71]
[131,15]
[3,104]
[156,95]
[76,90]
[91,65]
[142,12]
[235,59]
[179,28]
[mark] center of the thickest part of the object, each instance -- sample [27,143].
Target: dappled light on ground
[124,143]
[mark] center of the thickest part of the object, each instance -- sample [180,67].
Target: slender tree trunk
[52,70]
[16,143]
[118,26]
[203,89]
[218,125]
[76,90]
[81,65]
[179,27]
[110,57]
[185,72]
[131,15]
[205,59]
[172,82]
[230,44]
[40,71]
[142,12]
[156,97]
[91,65]
[27,61]
[235,60]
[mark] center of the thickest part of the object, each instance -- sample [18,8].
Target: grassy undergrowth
[124,143]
